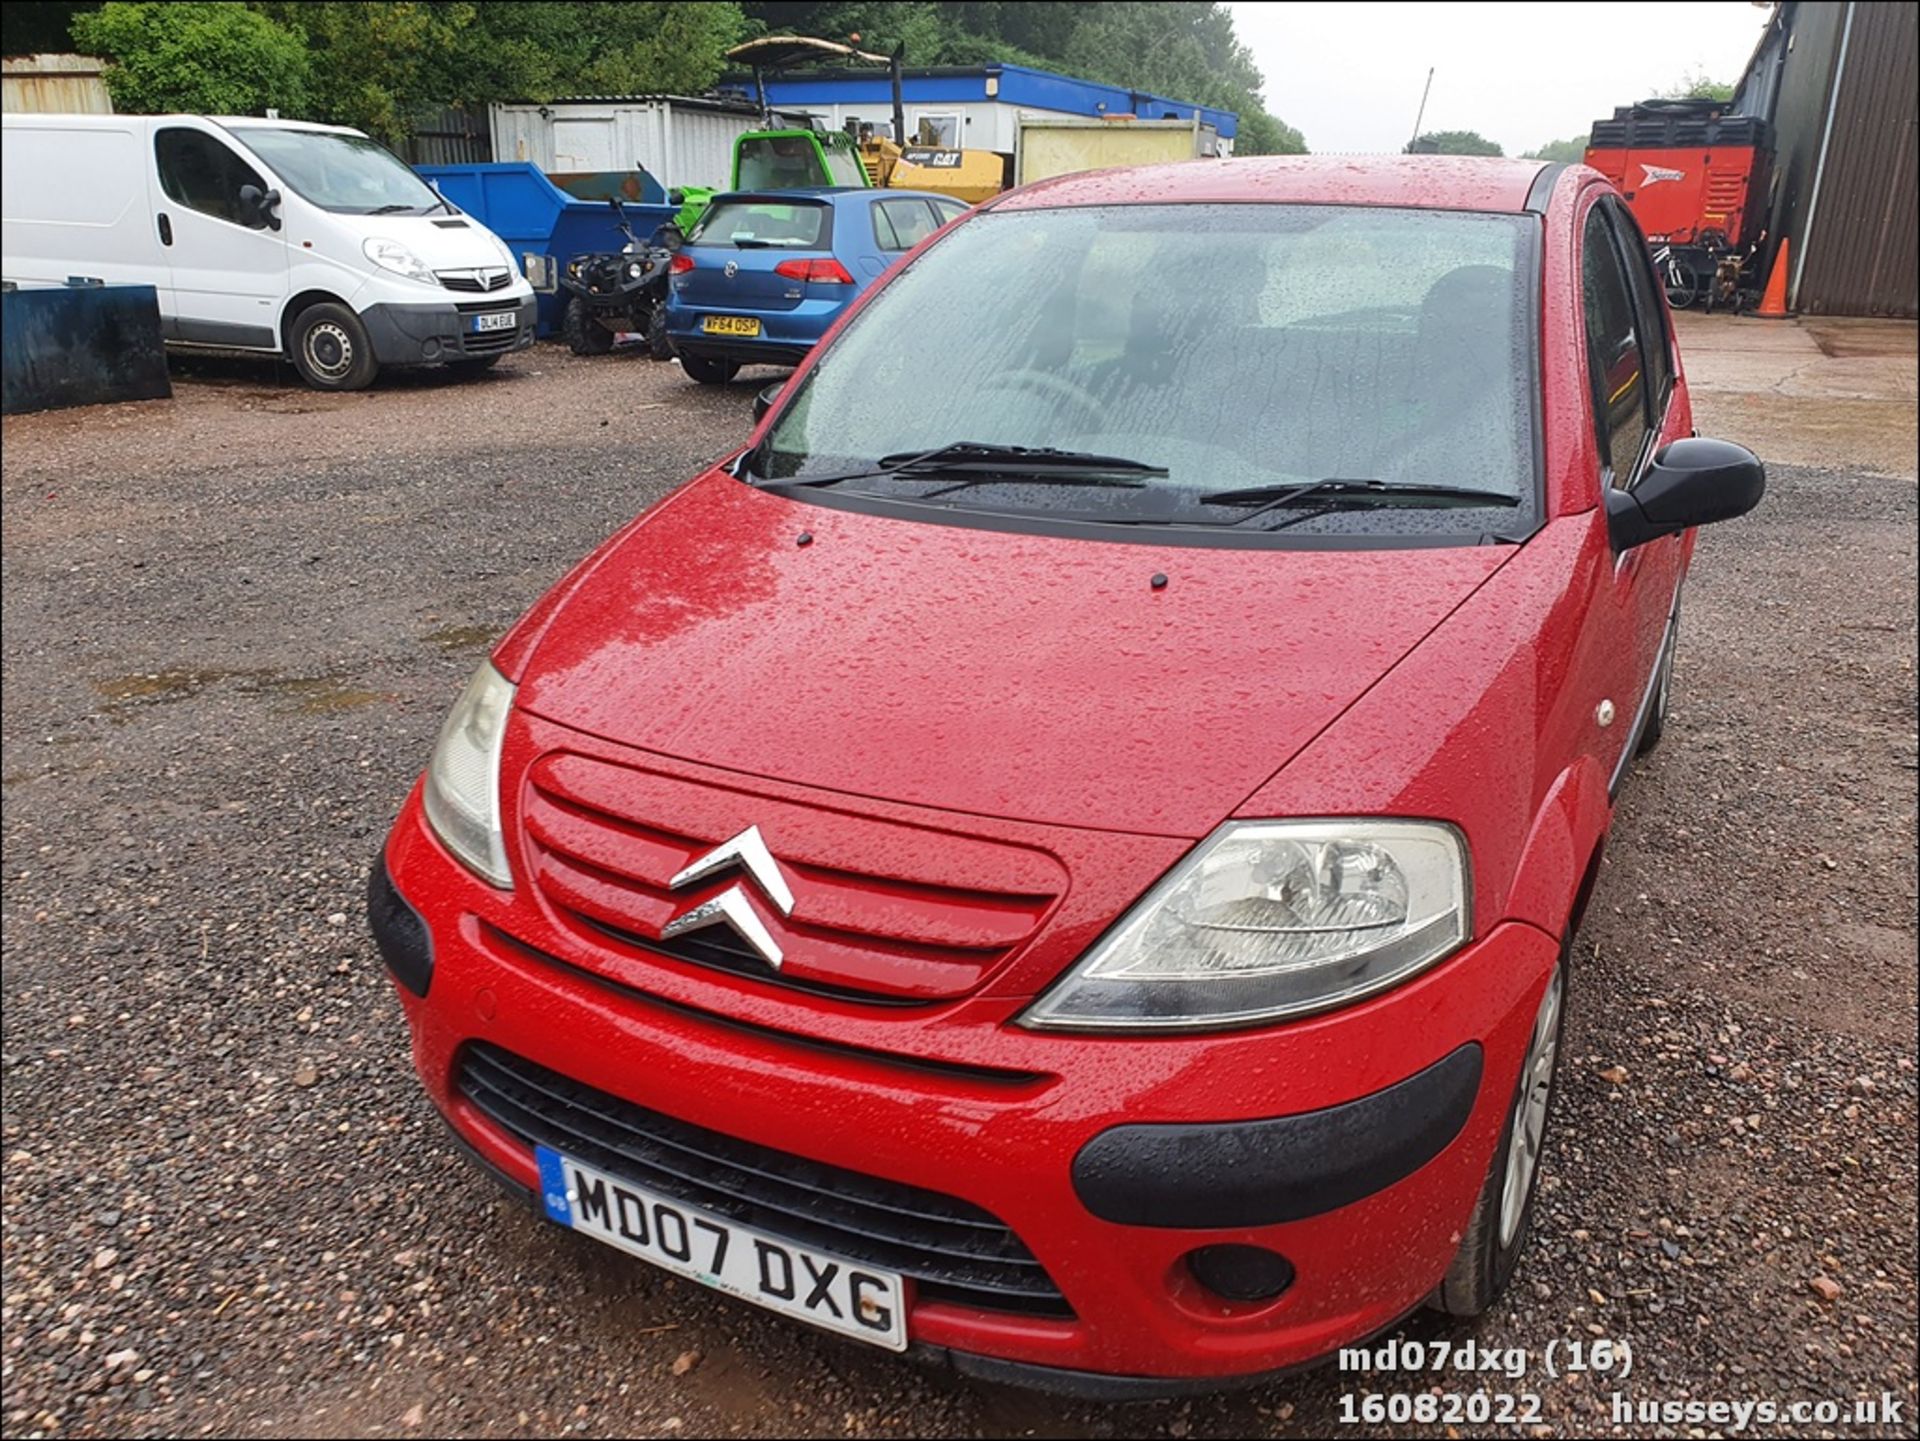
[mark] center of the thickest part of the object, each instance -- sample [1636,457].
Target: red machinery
[1695,177]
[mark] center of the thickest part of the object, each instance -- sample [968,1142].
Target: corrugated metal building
[54,85]
[676,139]
[1838,82]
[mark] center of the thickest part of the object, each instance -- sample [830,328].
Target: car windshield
[1236,347]
[748,224]
[348,174]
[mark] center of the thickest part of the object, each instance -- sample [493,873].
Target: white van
[272,236]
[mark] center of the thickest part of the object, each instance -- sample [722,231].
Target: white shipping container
[676,140]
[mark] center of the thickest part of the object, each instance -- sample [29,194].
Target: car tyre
[1656,725]
[331,348]
[709,372]
[1502,1217]
[584,335]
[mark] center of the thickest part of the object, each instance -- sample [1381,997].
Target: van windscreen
[347,174]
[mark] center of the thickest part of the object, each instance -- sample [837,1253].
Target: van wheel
[331,349]
[1497,1231]
[584,335]
[709,372]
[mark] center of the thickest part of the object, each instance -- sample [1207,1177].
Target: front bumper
[441,331]
[1114,1242]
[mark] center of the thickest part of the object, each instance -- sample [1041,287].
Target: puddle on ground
[166,685]
[456,638]
[311,695]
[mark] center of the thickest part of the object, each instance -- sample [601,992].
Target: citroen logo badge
[732,907]
[730,269]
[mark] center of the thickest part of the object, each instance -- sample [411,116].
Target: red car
[1061,854]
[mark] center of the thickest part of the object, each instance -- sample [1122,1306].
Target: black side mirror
[766,399]
[1691,482]
[676,198]
[257,206]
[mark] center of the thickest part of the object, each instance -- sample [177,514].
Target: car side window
[197,171]
[1656,341]
[949,210]
[902,224]
[1613,351]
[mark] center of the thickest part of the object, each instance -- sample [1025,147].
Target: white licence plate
[830,1291]
[495,320]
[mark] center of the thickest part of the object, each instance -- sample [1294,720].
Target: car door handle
[166,230]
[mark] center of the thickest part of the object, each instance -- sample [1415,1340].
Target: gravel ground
[232,623]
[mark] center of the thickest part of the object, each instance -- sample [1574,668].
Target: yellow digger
[969,175]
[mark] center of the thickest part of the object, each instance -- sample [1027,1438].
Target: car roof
[795,192]
[261,122]
[830,194]
[1426,182]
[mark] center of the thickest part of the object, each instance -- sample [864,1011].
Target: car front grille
[885,913]
[953,1250]
[482,280]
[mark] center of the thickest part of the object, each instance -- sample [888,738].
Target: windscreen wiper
[394,209]
[979,463]
[1336,492]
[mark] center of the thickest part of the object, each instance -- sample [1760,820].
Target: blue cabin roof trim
[1018,85]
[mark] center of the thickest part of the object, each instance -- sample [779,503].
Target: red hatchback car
[1061,855]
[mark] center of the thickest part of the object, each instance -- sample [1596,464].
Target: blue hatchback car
[765,273]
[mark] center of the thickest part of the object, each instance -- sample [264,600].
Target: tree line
[381,65]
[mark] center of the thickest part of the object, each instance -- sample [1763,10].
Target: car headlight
[633,271]
[1269,919]
[463,779]
[392,255]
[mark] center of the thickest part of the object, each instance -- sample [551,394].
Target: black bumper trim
[1260,1173]
[434,332]
[404,941]
[754,353]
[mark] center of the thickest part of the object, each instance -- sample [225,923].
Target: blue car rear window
[759,224]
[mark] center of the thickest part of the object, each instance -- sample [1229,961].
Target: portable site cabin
[975,107]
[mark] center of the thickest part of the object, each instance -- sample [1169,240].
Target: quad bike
[623,292]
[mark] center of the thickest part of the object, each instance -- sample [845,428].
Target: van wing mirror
[766,400]
[257,208]
[1694,481]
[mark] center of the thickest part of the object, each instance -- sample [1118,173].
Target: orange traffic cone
[1773,304]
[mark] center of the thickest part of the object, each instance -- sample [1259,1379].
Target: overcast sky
[1349,75]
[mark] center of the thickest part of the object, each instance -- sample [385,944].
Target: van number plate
[849,1297]
[494,320]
